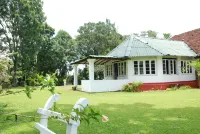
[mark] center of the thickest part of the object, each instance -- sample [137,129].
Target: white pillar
[130,69]
[178,68]
[91,73]
[75,75]
[91,69]
[159,69]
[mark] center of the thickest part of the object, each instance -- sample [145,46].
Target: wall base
[165,85]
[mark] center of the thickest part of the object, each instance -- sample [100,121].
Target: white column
[75,75]
[91,73]
[91,69]
[130,67]
[159,68]
[178,68]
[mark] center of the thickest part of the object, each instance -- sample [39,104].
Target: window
[121,68]
[169,66]
[109,70]
[185,67]
[144,67]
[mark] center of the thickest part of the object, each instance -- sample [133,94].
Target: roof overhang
[100,60]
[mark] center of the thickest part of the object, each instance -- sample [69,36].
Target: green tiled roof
[143,46]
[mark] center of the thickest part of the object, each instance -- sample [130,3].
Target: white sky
[130,16]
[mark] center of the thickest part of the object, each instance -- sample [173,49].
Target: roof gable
[142,46]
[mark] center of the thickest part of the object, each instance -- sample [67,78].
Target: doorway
[115,71]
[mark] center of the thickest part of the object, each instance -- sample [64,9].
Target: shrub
[133,87]
[74,88]
[175,87]
[125,88]
[184,87]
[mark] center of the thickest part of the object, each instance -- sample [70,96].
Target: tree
[152,34]
[167,35]
[45,58]
[64,49]
[97,38]
[149,33]
[22,23]
[5,65]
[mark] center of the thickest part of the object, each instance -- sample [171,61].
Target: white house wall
[109,84]
[159,76]
[102,85]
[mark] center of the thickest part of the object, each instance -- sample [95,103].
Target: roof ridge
[149,45]
[129,45]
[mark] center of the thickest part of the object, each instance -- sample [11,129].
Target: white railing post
[45,113]
[72,127]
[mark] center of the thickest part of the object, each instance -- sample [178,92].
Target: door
[115,71]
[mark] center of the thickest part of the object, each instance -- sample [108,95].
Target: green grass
[155,112]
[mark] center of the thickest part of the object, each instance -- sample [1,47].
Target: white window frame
[144,67]
[171,69]
[109,70]
[185,67]
[122,66]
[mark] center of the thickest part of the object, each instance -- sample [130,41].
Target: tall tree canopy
[57,53]
[22,24]
[65,51]
[97,38]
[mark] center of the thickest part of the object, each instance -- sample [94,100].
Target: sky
[129,16]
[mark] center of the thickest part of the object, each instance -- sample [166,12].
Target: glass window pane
[135,67]
[147,67]
[175,67]
[141,67]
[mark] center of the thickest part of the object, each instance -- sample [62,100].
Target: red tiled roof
[191,38]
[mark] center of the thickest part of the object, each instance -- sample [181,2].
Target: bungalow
[158,63]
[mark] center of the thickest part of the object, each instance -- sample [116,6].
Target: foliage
[97,38]
[167,35]
[184,87]
[65,52]
[86,114]
[149,33]
[22,25]
[174,87]
[126,88]
[5,65]
[133,87]
[196,65]
[70,79]
[178,87]
[74,88]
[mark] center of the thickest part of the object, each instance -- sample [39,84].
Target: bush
[184,87]
[174,87]
[133,87]
[74,88]
[126,88]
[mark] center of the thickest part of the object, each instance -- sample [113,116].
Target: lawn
[154,112]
